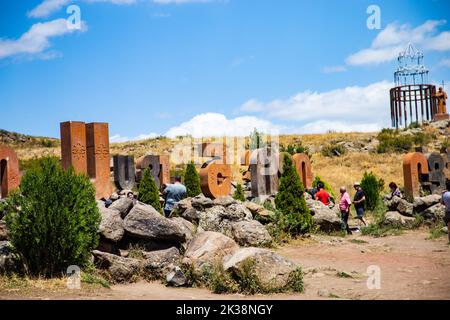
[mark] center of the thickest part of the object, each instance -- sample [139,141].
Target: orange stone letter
[303,166]
[414,165]
[215,179]
[9,171]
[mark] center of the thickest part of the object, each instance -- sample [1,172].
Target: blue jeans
[167,212]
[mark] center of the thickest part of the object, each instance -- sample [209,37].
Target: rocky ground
[411,268]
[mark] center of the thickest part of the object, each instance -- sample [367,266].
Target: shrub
[33,163]
[327,186]
[294,148]
[192,181]
[239,193]
[53,219]
[256,140]
[291,202]
[372,186]
[333,150]
[392,141]
[148,192]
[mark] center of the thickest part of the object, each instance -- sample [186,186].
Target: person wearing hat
[358,201]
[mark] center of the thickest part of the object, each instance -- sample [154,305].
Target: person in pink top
[344,207]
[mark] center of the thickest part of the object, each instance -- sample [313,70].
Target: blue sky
[210,67]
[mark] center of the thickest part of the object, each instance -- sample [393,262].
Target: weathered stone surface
[201,202]
[219,218]
[257,209]
[176,278]
[251,233]
[224,201]
[182,206]
[271,269]
[123,205]
[191,214]
[9,262]
[145,222]
[434,213]
[186,227]
[111,225]
[327,219]
[422,203]
[215,179]
[124,172]
[264,167]
[208,248]
[159,262]
[120,269]
[394,218]
[9,171]
[3,231]
[400,205]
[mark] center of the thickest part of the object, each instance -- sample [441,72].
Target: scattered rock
[422,203]
[400,205]
[440,124]
[114,196]
[434,213]
[257,209]
[111,225]
[158,263]
[9,261]
[145,222]
[176,278]
[324,217]
[123,205]
[224,201]
[207,248]
[182,205]
[201,202]
[394,218]
[323,293]
[251,233]
[271,269]
[191,214]
[186,227]
[444,230]
[119,268]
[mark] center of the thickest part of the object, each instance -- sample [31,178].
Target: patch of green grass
[378,231]
[357,241]
[91,278]
[436,231]
[334,296]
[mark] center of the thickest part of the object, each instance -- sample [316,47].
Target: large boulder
[220,219]
[119,268]
[208,248]
[257,210]
[184,209]
[145,222]
[186,227]
[9,261]
[401,205]
[201,202]
[422,203]
[123,205]
[176,278]
[158,263]
[251,233]
[434,213]
[271,269]
[224,201]
[3,231]
[111,225]
[395,219]
[325,218]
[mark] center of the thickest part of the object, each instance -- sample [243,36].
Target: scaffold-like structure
[412,99]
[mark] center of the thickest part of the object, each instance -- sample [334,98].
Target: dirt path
[410,266]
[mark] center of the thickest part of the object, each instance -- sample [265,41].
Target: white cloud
[394,38]
[47,7]
[119,138]
[323,126]
[356,105]
[216,125]
[36,39]
[334,69]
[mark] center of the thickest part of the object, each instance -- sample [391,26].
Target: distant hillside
[22,140]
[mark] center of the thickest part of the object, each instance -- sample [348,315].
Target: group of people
[320,194]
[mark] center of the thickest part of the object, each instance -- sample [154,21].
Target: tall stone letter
[98,160]
[436,166]
[264,167]
[9,171]
[215,179]
[159,167]
[124,172]
[303,166]
[414,166]
[73,146]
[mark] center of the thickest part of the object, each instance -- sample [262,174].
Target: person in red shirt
[322,195]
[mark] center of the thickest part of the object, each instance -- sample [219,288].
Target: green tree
[291,202]
[239,193]
[148,192]
[256,140]
[192,181]
[372,186]
[53,219]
